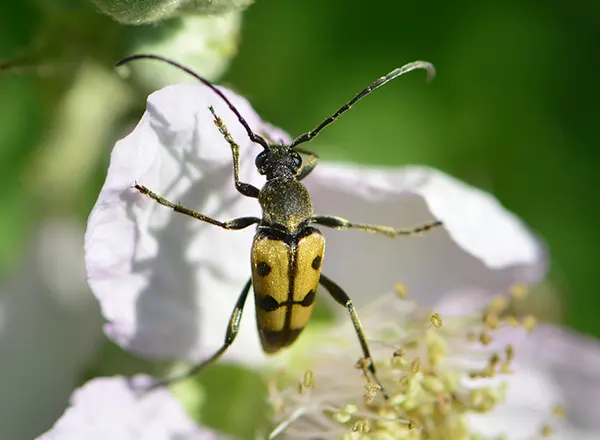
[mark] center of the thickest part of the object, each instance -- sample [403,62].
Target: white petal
[167,283]
[553,366]
[49,330]
[110,408]
[481,246]
[573,361]
[530,398]
[570,433]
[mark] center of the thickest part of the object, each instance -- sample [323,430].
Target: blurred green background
[513,109]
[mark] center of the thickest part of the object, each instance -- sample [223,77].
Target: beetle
[287,251]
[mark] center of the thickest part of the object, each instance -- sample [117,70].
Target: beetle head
[278,160]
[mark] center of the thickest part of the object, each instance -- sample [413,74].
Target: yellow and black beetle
[287,252]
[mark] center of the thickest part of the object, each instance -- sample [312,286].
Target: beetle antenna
[381,81]
[253,136]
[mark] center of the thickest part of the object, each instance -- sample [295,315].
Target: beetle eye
[297,159]
[260,161]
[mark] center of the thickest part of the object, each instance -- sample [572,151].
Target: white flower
[167,283]
[113,408]
[467,373]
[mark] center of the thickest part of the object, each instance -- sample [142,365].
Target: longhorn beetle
[287,251]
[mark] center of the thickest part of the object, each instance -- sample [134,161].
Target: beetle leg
[342,298]
[244,188]
[308,165]
[342,223]
[236,223]
[232,330]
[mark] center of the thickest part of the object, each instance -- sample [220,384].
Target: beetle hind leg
[342,298]
[232,330]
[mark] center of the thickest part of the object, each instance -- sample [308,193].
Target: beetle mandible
[287,251]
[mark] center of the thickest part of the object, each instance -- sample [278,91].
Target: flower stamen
[436,377]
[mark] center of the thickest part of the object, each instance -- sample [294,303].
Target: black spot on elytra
[316,263]
[268,304]
[309,299]
[263,269]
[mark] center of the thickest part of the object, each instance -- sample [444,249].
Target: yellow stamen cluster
[435,373]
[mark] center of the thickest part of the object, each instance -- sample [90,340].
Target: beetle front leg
[342,223]
[244,188]
[308,165]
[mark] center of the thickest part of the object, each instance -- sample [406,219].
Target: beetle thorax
[286,204]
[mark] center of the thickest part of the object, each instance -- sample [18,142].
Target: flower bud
[149,11]
[205,44]
[138,11]
[215,6]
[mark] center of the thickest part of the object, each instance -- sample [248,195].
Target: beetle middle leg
[233,328]
[342,223]
[236,223]
[244,188]
[342,298]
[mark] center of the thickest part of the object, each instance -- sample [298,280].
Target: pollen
[435,376]
[371,390]
[401,290]
[435,320]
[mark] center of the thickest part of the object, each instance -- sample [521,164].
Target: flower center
[436,370]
